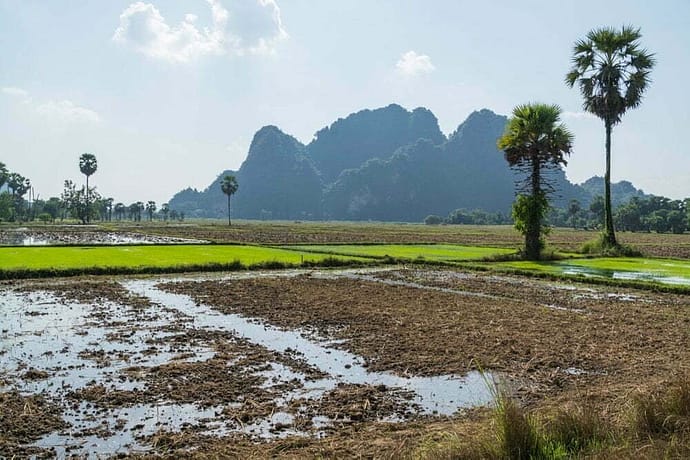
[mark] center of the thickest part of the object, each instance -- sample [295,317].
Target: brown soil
[598,342]
[556,343]
[24,419]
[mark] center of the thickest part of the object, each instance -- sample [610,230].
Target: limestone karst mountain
[382,164]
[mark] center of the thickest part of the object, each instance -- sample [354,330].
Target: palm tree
[534,140]
[19,186]
[87,165]
[612,72]
[150,209]
[229,186]
[165,210]
[109,208]
[120,210]
[574,209]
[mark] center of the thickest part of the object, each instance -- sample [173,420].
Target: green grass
[664,271]
[140,259]
[428,252]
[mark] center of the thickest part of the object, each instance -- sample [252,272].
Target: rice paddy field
[344,340]
[142,257]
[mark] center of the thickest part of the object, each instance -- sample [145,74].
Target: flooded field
[108,354]
[81,236]
[300,362]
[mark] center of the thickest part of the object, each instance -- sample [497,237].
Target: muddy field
[372,363]
[82,235]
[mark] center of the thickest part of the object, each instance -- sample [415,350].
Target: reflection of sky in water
[40,331]
[28,238]
[624,275]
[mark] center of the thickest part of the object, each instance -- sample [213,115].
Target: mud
[314,363]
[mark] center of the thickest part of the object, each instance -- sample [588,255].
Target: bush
[599,247]
[433,219]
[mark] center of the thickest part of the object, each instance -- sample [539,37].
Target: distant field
[503,236]
[430,252]
[83,257]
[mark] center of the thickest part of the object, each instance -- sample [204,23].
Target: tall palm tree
[229,186]
[612,72]
[534,140]
[87,165]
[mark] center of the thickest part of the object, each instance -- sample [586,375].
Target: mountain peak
[368,134]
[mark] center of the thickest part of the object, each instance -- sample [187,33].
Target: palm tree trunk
[532,245]
[609,232]
[88,217]
[229,223]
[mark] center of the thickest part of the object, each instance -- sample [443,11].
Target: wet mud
[311,363]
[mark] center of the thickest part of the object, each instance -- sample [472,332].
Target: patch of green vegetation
[407,252]
[20,262]
[667,271]
[599,247]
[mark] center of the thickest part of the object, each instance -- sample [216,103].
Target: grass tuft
[599,247]
[663,412]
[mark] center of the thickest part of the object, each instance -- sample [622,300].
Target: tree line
[18,203]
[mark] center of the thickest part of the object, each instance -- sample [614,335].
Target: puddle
[624,275]
[76,346]
[439,395]
[26,237]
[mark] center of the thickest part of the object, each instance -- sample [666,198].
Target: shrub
[433,219]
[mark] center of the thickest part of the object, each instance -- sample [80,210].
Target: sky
[169,93]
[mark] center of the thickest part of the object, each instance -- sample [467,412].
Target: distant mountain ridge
[386,164]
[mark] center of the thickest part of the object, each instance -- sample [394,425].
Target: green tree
[108,203]
[612,72]
[120,211]
[150,209]
[229,186]
[53,207]
[75,201]
[88,166]
[165,210]
[18,185]
[574,209]
[4,173]
[534,140]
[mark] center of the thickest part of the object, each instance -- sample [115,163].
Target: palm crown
[229,185]
[612,71]
[87,164]
[534,133]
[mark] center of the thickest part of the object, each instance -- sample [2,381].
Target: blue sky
[168,93]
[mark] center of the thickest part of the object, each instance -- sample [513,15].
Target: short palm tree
[87,165]
[534,140]
[612,72]
[229,186]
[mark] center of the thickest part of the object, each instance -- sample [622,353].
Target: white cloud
[15,92]
[252,27]
[67,111]
[412,64]
[58,111]
[579,115]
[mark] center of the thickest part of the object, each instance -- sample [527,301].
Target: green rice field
[82,257]
[428,252]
